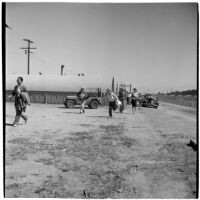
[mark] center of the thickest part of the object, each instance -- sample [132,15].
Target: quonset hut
[52,88]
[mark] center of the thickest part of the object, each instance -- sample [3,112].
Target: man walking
[20,103]
[122,98]
[112,98]
[82,96]
[134,100]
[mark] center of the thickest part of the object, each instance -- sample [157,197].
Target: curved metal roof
[54,82]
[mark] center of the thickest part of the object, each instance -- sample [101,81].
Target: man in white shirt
[112,98]
[129,98]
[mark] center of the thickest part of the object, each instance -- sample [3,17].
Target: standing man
[129,98]
[112,98]
[20,103]
[82,96]
[134,100]
[122,98]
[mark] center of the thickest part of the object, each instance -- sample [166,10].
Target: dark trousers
[134,103]
[111,107]
[20,113]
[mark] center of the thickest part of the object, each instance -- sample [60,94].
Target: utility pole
[62,67]
[27,50]
[117,88]
[113,84]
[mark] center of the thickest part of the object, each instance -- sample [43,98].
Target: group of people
[20,93]
[115,101]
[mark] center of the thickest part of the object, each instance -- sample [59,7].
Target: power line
[27,51]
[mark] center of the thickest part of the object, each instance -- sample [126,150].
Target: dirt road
[61,153]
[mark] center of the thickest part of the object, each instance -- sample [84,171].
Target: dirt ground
[61,153]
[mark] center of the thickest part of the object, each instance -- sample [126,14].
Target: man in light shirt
[122,98]
[112,98]
[82,97]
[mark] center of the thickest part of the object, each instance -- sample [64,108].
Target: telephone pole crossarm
[27,50]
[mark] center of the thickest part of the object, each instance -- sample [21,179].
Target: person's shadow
[75,107]
[9,124]
[72,112]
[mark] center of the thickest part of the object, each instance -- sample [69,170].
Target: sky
[152,46]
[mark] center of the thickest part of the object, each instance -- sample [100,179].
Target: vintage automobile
[93,99]
[149,100]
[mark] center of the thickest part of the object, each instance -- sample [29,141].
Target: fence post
[45,98]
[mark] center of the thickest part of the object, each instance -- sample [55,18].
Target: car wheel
[69,103]
[94,104]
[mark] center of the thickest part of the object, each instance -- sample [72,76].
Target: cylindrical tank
[68,83]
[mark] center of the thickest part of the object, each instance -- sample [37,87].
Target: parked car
[93,99]
[149,100]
